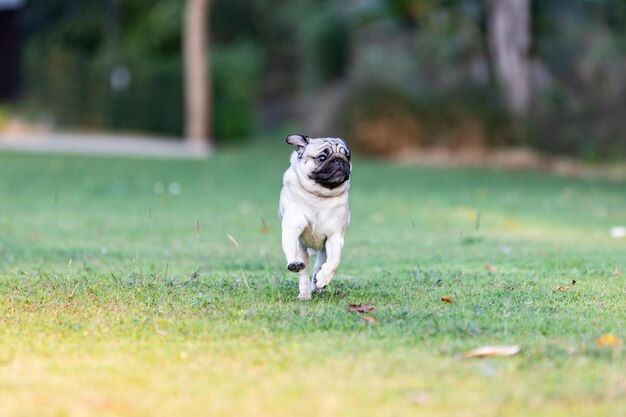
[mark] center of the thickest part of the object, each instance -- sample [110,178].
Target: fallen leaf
[608,340]
[491,268]
[370,319]
[232,239]
[361,308]
[616,272]
[491,351]
[562,288]
[447,299]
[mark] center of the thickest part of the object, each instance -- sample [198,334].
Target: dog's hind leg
[334,246]
[321,258]
[304,283]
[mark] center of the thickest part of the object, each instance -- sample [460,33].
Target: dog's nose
[343,165]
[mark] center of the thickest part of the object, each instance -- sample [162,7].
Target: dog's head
[326,161]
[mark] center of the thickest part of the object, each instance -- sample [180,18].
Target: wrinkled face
[326,160]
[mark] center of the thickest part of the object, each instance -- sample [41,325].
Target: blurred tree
[455,71]
[198,106]
[9,49]
[509,41]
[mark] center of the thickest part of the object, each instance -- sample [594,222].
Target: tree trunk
[509,42]
[198,109]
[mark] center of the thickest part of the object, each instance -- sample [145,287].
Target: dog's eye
[321,158]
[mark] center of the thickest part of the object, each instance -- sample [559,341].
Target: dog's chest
[314,236]
[321,225]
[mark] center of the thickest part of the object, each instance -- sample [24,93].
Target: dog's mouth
[333,173]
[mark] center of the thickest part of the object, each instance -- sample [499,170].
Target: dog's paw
[319,282]
[296,266]
[304,295]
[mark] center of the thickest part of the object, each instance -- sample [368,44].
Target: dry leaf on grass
[361,308]
[491,351]
[616,272]
[447,299]
[561,288]
[608,340]
[491,268]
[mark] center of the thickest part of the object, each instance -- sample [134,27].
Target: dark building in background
[9,53]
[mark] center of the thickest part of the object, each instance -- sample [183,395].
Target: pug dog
[314,208]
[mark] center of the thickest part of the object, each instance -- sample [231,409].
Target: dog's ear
[298,140]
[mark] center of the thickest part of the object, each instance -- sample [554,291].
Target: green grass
[119,301]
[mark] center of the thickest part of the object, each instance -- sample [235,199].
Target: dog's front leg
[334,247]
[296,254]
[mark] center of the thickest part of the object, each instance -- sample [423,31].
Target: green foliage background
[268,56]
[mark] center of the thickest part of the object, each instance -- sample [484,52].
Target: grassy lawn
[136,287]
